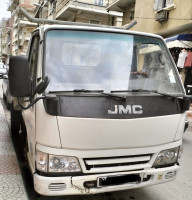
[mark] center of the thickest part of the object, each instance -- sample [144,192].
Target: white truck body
[107,150]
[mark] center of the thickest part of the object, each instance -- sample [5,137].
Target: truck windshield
[108,62]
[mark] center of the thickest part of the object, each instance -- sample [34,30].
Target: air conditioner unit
[162,15]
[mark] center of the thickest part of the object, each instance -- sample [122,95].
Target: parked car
[3,69]
[6,93]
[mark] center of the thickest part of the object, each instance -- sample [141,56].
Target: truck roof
[44,28]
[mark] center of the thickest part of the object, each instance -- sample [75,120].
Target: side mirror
[19,77]
[40,88]
[185,102]
[5,77]
[188,97]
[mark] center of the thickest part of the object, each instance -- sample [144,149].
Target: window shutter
[168,2]
[161,4]
[155,5]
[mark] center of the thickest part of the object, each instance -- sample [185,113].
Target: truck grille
[95,165]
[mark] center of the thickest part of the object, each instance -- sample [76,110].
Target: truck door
[29,114]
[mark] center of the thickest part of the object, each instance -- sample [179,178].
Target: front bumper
[1,75]
[58,186]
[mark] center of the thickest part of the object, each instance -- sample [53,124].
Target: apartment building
[2,39]
[86,11]
[166,17]
[21,27]
[8,36]
[5,39]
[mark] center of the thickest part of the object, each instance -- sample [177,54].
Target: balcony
[13,5]
[120,5]
[67,9]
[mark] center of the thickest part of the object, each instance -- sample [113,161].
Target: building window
[159,4]
[132,13]
[98,2]
[95,22]
[52,6]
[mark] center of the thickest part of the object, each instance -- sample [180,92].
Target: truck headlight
[41,161]
[53,163]
[63,164]
[167,157]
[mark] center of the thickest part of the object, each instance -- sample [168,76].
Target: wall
[28,4]
[126,16]
[83,15]
[22,27]
[145,16]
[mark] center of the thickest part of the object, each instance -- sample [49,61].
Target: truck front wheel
[16,120]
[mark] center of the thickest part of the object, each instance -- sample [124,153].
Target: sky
[3,9]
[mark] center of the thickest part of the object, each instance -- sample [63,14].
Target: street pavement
[16,182]
[11,183]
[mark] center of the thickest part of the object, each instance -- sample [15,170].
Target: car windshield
[2,66]
[108,62]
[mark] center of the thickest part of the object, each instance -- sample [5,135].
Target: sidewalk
[11,183]
[189,114]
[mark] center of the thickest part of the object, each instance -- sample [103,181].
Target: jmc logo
[129,109]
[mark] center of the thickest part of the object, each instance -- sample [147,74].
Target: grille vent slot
[57,186]
[117,163]
[170,175]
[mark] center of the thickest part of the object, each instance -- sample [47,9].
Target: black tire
[4,98]
[23,135]
[16,120]
[8,105]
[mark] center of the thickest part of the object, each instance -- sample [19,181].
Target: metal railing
[47,21]
[62,3]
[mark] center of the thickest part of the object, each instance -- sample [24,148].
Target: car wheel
[16,120]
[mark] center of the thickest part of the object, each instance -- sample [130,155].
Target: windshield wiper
[121,98]
[87,91]
[76,90]
[101,92]
[152,91]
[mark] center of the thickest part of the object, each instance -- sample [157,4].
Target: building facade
[3,40]
[165,17]
[155,16]
[5,44]
[86,11]
[21,27]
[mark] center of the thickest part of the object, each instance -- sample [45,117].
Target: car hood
[81,133]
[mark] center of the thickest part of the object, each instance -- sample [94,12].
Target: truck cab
[103,109]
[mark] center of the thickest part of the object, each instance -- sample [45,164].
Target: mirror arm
[189,97]
[47,96]
[31,104]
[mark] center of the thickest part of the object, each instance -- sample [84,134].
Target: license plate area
[118,180]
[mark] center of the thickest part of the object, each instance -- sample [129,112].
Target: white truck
[103,109]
